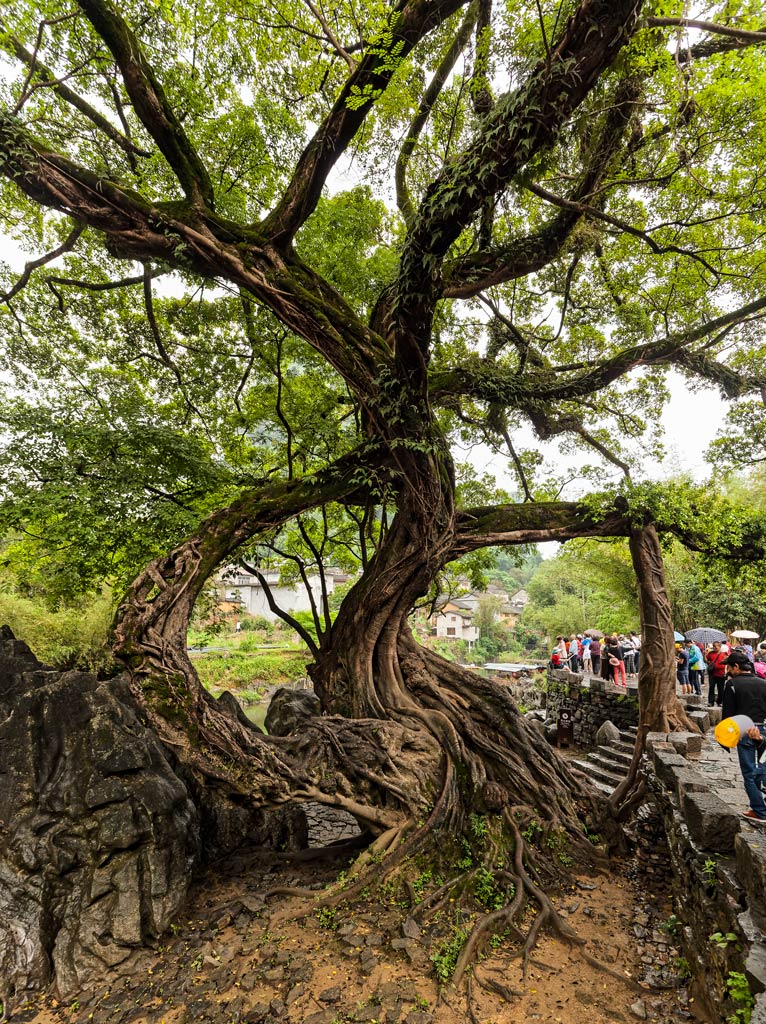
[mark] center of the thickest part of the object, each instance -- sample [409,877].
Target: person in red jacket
[716,674]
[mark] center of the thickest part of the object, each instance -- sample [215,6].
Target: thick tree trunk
[659,708]
[455,734]
[492,757]
[432,758]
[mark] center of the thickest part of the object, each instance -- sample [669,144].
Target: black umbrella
[705,635]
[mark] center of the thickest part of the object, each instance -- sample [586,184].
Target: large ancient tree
[580,202]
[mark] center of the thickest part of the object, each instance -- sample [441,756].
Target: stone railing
[718,868]
[590,701]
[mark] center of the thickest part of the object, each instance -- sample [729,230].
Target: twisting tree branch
[285,616]
[521,124]
[538,388]
[475,272]
[49,80]
[708,26]
[410,22]
[149,100]
[66,246]
[630,229]
[330,35]
[437,83]
[522,476]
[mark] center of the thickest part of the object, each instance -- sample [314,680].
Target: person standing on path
[574,657]
[587,664]
[745,694]
[682,669]
[595,656]
[696,666]
[613,652]
[636,639]
[716,672]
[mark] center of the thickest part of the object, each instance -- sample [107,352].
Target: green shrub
[72,637]
[256,622]
[739,992]
[446,956]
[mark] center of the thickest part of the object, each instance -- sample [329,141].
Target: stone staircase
[608,764]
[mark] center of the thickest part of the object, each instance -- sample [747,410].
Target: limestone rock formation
[99,831]
[288,708]
[98,836]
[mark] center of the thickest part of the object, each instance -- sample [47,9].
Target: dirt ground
[240,957]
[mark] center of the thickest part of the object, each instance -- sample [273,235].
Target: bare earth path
[236,958]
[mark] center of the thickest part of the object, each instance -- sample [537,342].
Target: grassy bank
[246,673]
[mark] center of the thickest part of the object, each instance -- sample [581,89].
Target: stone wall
[718,866]
[590,703]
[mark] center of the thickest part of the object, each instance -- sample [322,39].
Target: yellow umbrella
[729,731]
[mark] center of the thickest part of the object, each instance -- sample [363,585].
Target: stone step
[602,786]
[620,758]
[599,774]
[607,764]
[623,747]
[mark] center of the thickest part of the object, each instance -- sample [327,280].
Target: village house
[454,621]
[453,618]
[245,590]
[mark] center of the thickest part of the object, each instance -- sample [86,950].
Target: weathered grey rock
[755,968]
[607,733]
[536,713]
[98,836]
[701,719]
[686,742]
[715,715]
[750,851]
[229,703]
[330,995]
[712,824]
[686,780]
[758,1016]
[320,1017]
[655,738]
[664,764]
[288,709]
[99,830]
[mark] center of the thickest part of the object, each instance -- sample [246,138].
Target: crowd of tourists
[736,683]
[617,657]
[693,660]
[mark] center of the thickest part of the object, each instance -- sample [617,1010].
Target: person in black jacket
[745,694]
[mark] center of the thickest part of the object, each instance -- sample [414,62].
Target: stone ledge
[701,719]
[686,780]
[758,1015]
[750,851]
[712,825]
[654,739]
[755,968]
[686,742]
[664,762]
